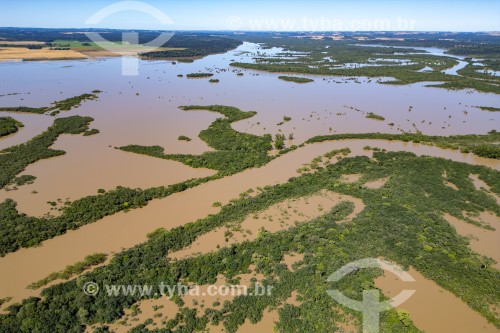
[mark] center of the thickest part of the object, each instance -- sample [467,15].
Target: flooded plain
[483,241]
[126,229]
[278,217]
[432,308]
[161,309]
[144,110]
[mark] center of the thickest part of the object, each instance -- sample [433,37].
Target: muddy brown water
[151,98]
[483,241]
[88,166]
[432,308]
[163,308]
[144,110]
[278,217]
[124,230]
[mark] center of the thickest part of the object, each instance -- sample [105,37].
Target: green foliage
[214,81]
[404,318]
[398,220]
[70,271]
[234,151]
[481,145]
[91,132]
[183,138]
[9,126]
[489,108]
[195,45]
[372,115]
[4,300]
[18,230]
[23,180]
[23,109]
[343,152]
[57,106]
[231,113]
[198,75]
[279,141]
[373,62]
[295,79]
[14,159]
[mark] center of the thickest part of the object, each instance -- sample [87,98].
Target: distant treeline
[196,43]
[28,46]
[196,46]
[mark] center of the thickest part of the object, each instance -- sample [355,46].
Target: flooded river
[145,110]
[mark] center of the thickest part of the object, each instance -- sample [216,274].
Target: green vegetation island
[295,79]
[351,57]
[198,75]
[9,125]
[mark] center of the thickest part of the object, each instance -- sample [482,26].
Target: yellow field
[21,53]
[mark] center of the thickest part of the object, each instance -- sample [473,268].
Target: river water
[144,110]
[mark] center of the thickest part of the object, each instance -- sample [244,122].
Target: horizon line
[268,31]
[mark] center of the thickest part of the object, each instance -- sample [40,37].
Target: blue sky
[312,15]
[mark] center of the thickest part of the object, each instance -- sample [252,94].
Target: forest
[189,43]
[72,270]
[403,221]
[295,79]
[57,106]
[14,159]
[194,46]
[354,59]
[398,211]
[234,151]
[198,75]
[9,125]
[481,145]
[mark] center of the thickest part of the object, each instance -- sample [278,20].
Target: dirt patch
[432,308]
[269,319]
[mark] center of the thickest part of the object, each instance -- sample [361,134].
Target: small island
[295,79]
[372,115]
[198,75]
